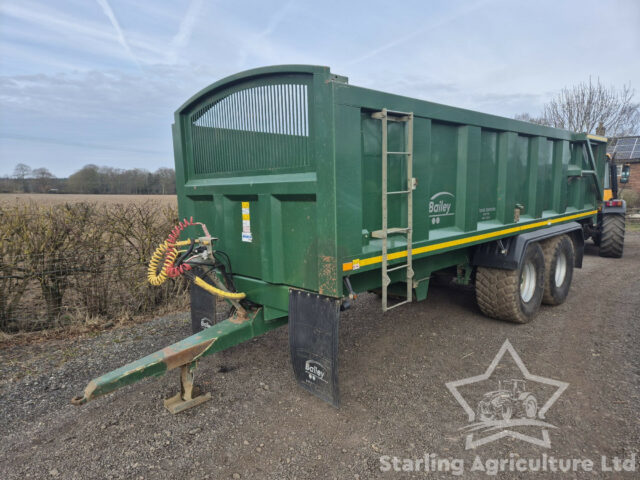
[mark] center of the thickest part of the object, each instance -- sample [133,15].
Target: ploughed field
[395,402]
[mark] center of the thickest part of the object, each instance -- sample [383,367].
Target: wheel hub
[527,281]
[561,269]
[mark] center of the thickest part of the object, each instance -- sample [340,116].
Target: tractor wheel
[530,407]
[506,412]
[612,236]
[559,259]
[485,417]
[203,306]
[512,295]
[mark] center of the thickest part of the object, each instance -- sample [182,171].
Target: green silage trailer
[315,190]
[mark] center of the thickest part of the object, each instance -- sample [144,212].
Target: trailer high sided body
[315,190]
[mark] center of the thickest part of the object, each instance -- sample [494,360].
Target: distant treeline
[91,179]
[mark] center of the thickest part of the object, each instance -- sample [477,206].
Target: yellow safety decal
[246,223]
[348,266]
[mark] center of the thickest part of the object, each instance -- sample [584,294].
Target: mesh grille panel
[256,128]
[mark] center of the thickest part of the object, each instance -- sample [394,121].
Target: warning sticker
[246,223]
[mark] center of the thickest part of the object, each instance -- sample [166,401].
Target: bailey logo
[315,371]
[512,409]
[440,205]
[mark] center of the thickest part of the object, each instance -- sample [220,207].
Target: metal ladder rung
[398,267]
[389,231]
[398,153]
[397,192]
[392,115]
[397,113]
[398,119]
[398,230]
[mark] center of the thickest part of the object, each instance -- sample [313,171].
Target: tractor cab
[512,386]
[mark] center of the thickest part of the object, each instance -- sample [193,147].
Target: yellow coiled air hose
[167,251]
[158,278]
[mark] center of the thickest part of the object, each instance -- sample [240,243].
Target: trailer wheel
[512,295]
[203,306]
[612,236]
[559,259]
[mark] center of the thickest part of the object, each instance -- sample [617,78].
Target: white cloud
[106,8]
[181,39]
[399,39]
[277,18]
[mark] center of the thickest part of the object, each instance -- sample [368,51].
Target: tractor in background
[608,232]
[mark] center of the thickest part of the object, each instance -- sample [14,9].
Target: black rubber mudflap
[203,306]
[313,339]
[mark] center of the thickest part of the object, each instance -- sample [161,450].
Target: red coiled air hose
[171,269]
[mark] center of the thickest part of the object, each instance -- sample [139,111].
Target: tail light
[613,203]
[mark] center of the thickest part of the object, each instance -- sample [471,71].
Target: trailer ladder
[407,118]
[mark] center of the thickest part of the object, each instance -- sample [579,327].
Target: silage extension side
[315,190]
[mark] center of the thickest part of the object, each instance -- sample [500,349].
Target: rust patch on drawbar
[175,359]
[239,317]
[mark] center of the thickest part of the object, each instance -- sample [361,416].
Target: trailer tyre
[612,236]
[559,259]
[512,295]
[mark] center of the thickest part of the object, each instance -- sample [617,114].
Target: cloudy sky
[97,81]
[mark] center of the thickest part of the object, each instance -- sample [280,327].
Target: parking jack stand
[185,399]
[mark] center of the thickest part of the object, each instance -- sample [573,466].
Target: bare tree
[21,172]
[167,180]
[586,106]
[43,178]
[94,179]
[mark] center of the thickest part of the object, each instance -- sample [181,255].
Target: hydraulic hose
[216,291]
[166,254]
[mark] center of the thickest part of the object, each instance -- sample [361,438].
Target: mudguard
[493,255]
[313,340]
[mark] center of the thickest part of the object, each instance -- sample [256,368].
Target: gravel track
[393,371]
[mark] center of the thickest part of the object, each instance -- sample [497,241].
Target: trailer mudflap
[313,340]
